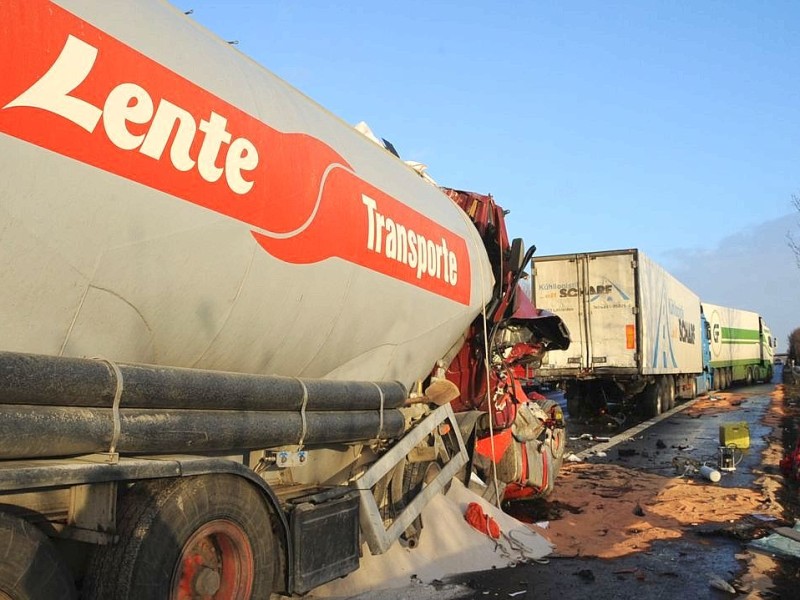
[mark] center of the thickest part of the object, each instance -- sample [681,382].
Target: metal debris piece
[721,584]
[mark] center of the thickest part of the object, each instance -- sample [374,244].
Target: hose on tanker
[49,380]
[61,406]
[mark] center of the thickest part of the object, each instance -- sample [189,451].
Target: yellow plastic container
[735,434]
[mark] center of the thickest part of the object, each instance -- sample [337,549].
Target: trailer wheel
[749,377]
[574,407]
[669,393]
[575,393]
[721,385]
[195,537]
[651,400]
[31,568]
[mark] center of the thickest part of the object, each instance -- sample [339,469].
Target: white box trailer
[741,346]
[635,329]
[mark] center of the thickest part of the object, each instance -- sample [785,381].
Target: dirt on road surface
[637,520]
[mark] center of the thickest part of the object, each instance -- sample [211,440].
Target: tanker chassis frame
[100,506]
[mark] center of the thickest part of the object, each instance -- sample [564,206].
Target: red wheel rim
[216,564]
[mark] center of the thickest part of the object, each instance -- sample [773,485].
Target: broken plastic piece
[476,517]
[721,584]
[764,517]
[776,543]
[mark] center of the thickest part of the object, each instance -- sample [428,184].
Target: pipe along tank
[218,295]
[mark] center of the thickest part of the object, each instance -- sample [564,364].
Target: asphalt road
[673,569]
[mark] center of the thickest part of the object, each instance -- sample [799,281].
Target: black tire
[667,393]
[172,529]
[574,407]
[31,568]
[672,393]
[416,475]
[650,400]
[749,379]
[575,393]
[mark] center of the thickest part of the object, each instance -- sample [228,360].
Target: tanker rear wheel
[31,568]
[195,537]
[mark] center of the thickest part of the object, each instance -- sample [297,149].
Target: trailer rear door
[595,295]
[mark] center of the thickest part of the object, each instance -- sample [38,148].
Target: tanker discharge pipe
[55,406]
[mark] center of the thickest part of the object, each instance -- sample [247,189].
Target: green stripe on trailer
[734,334]
[735,363]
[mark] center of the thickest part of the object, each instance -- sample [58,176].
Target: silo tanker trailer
[234,329]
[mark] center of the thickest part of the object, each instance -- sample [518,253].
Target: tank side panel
[95,261]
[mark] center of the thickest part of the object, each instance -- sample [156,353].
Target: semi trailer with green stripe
[741,347]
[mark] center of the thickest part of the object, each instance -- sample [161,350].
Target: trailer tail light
[630,337]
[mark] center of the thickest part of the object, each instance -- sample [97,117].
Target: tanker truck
[234,329]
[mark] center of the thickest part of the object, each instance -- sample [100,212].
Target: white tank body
[164,199]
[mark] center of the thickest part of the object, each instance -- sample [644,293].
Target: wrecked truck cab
[493,407]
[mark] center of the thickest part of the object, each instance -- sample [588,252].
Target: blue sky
[673,127]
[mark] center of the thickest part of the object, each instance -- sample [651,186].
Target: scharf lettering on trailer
[686,331]
[103,103]
[593,290]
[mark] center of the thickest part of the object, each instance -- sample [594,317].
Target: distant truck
[741,346]
[635,330]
